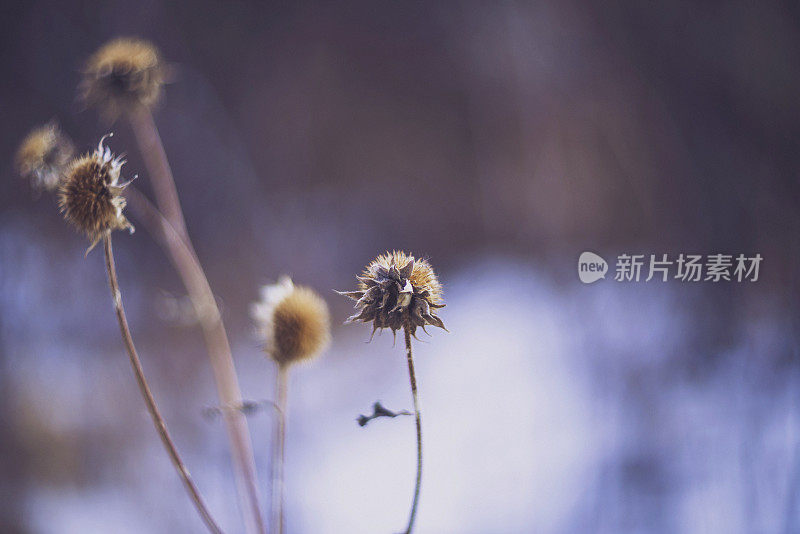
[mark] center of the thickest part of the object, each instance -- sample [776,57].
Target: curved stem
[278,448]
[175,240]
[412,377]
[155,158]
[149,400]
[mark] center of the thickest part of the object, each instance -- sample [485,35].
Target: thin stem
[175,240]
[412,377]
[149,400]
[278,448]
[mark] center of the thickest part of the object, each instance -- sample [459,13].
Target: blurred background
[498,139]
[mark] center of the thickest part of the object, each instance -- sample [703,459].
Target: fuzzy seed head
[292,321]
[122,76]
[90,195]
[43,155]
[397,290]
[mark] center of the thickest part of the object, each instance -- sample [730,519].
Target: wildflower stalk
[398,291]
[281,386]
[191,272]
[149,400]
[293,324]
[417,417]
[126,77]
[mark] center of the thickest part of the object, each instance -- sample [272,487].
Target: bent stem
[413,379]
[171,227]
[281,386]
[149,400]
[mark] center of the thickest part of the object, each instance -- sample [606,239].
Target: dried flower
[43,155]
[397,290]
[123,75]
[90,195]
[292,321]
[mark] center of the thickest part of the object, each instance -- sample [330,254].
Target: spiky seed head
[397,290]
[90,195]
[43,156]
[292,321]
[122,76]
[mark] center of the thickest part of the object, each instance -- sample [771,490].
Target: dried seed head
[90,195]
[123,75]
[397,290]
[43,156]
[292,321]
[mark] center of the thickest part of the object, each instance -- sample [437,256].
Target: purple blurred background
[498,139]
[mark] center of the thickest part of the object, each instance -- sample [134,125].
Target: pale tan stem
[149,400]
[191,272]
[418,418]
[278,448]
[155,158]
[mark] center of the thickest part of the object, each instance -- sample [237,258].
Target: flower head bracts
[397,290]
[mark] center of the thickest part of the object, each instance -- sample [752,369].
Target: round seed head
[123,75]
[293,322]
[43,155]
[397,290]
[90,195]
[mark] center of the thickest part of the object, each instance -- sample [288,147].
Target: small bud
[90,195]
[43,156]
[293,322]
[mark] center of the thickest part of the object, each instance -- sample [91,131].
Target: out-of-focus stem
[149,400]
[281,386]
[155,158]
[182,256]
[413,379]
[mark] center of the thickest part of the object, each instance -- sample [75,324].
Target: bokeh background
[499,139]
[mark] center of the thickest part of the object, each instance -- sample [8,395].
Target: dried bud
[90,195]
[123,75]
[395,291]
[43,156]
[292,321]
